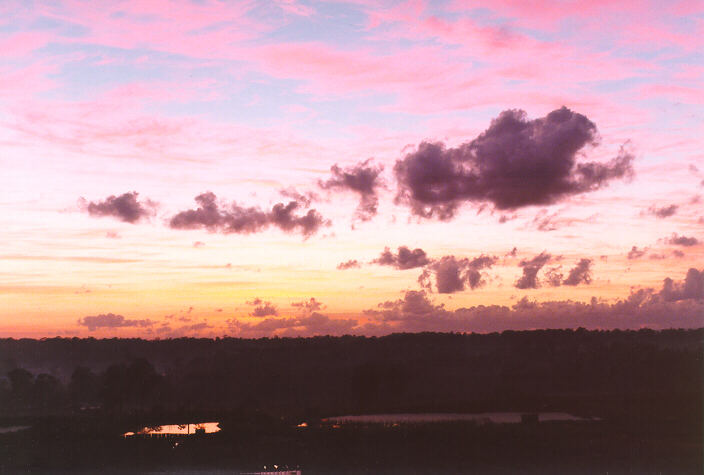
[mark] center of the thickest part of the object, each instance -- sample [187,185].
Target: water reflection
[486,417]
[7,430]
[177,429]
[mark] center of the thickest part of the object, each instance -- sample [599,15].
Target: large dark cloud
[678,304]
[682,240]
[125,207]
[363,179]
[110,320]
[237,219]
[405,258]
[453,274]
[531,267]
[516,162]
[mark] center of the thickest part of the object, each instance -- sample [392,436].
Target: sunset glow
[293,168]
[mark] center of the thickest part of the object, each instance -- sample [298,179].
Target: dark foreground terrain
[79,395]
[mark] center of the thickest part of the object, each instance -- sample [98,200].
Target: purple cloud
[636,253]
[310,305]
[262,308]
[679,304]
[351,264]
[125,207]
[580,274]
[453,274]
[363,179]
[403,259]
[529,279]
[681,240]
[237,219]
[663,212]
[516,162]
[110,320]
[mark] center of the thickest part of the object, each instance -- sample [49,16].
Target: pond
[481,418]
[178,429]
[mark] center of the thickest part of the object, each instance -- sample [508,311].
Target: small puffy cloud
[234,218]
[636,253]
[531,267]
[262,308]
[677,240]
[363,179]
[403,259]
[453,274]
[110,320]
[663,212]
[580,274]
[125,207]
[515,163]
[310,305]
[351,264]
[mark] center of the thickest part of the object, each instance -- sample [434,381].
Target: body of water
[178,429]
[486,417]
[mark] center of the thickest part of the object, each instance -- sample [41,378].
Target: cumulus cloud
[531,267]
[680,305]
[363,179]
[663,212]
[516,162]
[351,264]
[453,274]
[310,305]
[305,198]
[125,207]
[691,288]
[237,219]
[110,320]
[262,308]
[403,259]
[580,274]
[314,324]
[681,240]
[636,253]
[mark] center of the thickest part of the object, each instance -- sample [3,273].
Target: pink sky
[375,125]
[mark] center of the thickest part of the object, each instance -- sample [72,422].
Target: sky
[294,168]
